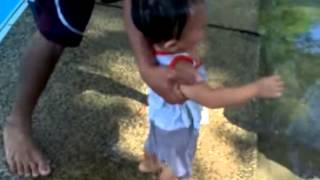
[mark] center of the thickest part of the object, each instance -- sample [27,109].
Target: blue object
[315,32]
[10,10]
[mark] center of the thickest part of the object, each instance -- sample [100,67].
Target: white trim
[12,18]
[64,21]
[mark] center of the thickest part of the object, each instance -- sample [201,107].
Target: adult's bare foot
[23,156]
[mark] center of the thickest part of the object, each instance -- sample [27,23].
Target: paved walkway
[91,118]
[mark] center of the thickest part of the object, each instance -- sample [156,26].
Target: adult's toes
[20,168]
[12,166]
[27,170]
[34,170]
[44,168]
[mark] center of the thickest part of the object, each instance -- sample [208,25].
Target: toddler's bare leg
[166,174]
[149,164]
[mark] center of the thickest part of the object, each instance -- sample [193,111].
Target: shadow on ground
[78,119]
[91,118]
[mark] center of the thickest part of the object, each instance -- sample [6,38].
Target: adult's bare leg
[22,154]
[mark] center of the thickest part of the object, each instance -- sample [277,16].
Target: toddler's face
[195,29]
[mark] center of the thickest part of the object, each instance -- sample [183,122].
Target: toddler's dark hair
[161,20]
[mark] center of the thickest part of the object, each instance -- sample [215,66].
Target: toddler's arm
[268,87]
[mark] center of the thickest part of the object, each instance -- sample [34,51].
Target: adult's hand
[162,81]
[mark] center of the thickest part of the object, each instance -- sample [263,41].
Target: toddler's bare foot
[149,164]
[166,174]
[146,166]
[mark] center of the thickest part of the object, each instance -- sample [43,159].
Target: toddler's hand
[270,87]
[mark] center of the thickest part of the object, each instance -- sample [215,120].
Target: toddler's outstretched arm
[268,87]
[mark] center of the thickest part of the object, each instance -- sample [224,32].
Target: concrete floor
[91,118]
